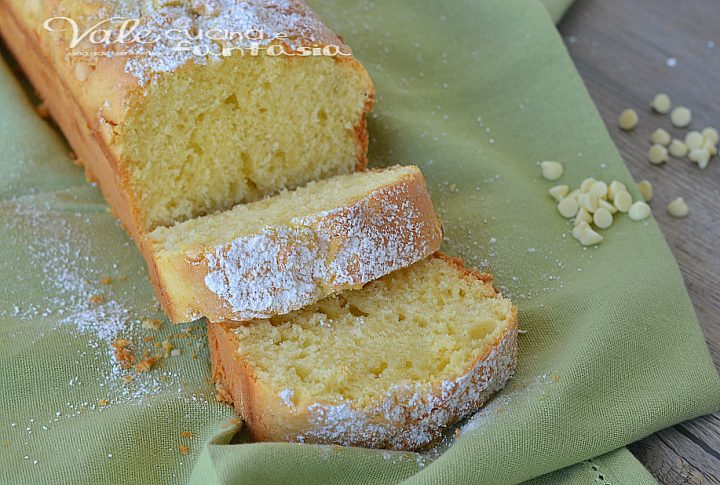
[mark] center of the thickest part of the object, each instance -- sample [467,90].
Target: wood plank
[622,50]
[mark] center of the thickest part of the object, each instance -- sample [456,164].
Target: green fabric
[557,8]
[612,353]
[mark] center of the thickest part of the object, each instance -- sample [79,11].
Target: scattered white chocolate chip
[586,184]
[678,149]
[589,202]
[678,208]
[574,194]
[579,228]
[614,188]
[588,237]
[600,189]
[646,190]
[568,207]
[639,211]
[660,137]
[552,170]
[559,192]
[700,156]
[681,116]
[603,218]
[710,146]
[661,103]
[694,139]
[623,201]
[604,204]
[583,215]
[711,134]
[628,119]
[657,154]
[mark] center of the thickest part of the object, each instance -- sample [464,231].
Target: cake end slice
[386,366]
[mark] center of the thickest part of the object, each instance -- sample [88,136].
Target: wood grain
[621,49]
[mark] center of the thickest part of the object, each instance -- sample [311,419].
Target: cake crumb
[42,111]
[103,402]
[96,299]
[106,280]
[122,353]
[184,449]
[146,364]
[186,434]
[167,347]
[151,324]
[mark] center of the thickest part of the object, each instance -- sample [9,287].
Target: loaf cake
[173,128]
[386,366]
[279,254]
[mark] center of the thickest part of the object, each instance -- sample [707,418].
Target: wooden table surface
[627,51]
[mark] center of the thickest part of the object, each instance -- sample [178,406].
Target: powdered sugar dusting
[290,22]
[413,416]
[74,299]
[287,267]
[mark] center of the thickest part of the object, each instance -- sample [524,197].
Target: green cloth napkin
[557,8]
[475,93]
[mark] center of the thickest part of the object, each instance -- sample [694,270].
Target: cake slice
[282,253]
[386,366]
[212,103]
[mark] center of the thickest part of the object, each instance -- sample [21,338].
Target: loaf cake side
[285,252]
[171,135]
[348,375]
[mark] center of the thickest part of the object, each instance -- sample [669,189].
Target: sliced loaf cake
[282,253]
[386,366]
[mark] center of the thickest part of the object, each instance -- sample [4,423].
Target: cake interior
[212,136]
[314,198]
[419,326]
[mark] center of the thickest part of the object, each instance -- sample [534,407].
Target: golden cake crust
[403,421]
[285,268]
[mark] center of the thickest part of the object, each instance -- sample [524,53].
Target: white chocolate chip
[678,208]
[589,201]
[710,147]
[559,192]
[700,156]
[639,211]
[614,188]
[661,103]
[711,134]
[646,190]
[603,218]
[583,215]
[588,237]
[600,189]
[681,116]
[694,139]
[575,195]
[623,201]
[604,204]
[657,154]
[82,71]
[586,184]
[678,149]
[580,228]
[568,207]
[660,137]
[552,170]
[628,119]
